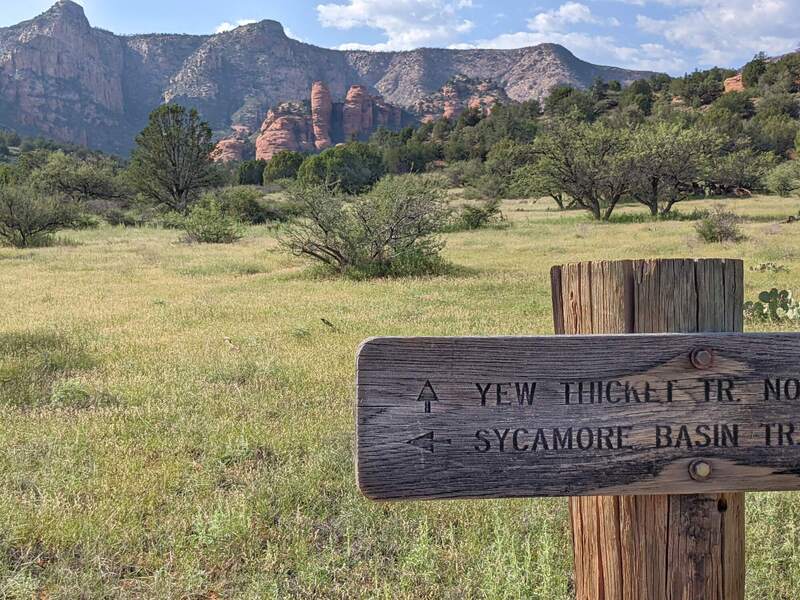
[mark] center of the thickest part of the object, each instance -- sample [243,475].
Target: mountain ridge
[62,78]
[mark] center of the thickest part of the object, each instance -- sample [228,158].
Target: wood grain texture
[451,417]
[669,547]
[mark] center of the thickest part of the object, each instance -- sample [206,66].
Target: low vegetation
[209,223]
[177,418]
[29,218]
[720,225]
[392,230]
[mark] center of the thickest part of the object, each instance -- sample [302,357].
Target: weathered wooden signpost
[653,437]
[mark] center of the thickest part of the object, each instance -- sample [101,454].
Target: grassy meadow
[176,421]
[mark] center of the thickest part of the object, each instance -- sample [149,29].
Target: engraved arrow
[427,442]
[427,395]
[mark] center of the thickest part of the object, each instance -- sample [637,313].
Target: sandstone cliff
[61,78]
[237,147]
[321,123]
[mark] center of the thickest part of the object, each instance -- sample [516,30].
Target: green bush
[284,165]
[207,223]
[720,225]
[478,216]
[784,179]
[244,203]
[391,231]
[29,218]
[351,168]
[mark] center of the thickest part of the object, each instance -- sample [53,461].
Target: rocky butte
[320,123]
[62,78]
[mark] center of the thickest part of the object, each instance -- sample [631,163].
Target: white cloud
[291,34]
[225,26]
[570,13]
[405,23]
[597,49]
[554,26]
[730,32]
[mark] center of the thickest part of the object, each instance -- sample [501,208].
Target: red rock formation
[321,114]
[287,127]
[304,127]
[233,148]
[357,113]
[734,84]
[229,150]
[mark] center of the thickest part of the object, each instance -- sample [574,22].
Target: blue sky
[665,35]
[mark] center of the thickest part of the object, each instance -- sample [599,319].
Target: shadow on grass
[442,268]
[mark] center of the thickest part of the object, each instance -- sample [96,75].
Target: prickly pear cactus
[774,305]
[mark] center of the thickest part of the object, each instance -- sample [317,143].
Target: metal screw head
[702,358]
[700,470]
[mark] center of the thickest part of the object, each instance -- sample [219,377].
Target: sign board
[578,415]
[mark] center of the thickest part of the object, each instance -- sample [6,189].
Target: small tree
[391,230]
[81,180]
[28,218]
[352,168]
[586,162]
[283,165]
[739,171]
[171,163]
[753,70]
[251,172]
[784,179]
[532,182]
[666,162]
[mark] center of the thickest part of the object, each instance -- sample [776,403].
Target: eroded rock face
[734,84]
[321,115]
[62,79]
[356,113]
[321,123]
[287,127]
[459,94]
[235,148]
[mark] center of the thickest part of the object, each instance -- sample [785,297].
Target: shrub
[773,305]
[784,179]
[478,216]
[244,204]
[720,225]
[29,218]
[207,223]
[390,231]
[284,165]
[352,168]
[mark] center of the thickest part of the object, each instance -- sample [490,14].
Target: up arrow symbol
[427,395]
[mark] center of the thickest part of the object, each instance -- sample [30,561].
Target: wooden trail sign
[578,415]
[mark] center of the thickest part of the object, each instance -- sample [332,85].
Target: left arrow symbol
[427,442]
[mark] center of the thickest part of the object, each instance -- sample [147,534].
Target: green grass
[177,421]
